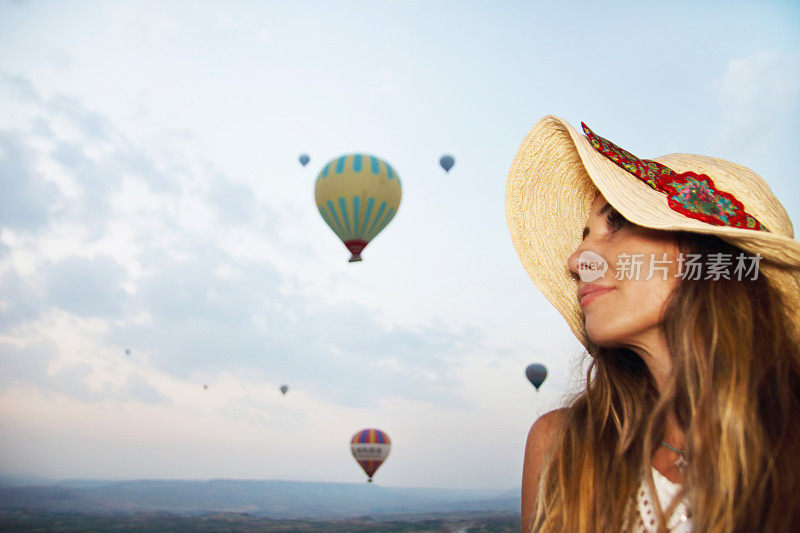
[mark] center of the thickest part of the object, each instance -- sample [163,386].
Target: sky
[151,200]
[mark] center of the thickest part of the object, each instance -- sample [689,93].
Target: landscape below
[234,505]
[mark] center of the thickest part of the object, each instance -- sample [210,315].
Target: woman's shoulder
[545,429]
[541,437]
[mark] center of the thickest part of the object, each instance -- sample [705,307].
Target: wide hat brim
[555,176]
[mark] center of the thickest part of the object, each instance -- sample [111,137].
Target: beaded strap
[689,193]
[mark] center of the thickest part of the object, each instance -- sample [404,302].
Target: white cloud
[756,93]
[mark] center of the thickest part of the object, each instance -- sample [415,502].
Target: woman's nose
[573,260]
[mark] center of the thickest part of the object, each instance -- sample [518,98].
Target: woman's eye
[615,220]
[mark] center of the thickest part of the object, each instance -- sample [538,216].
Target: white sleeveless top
[679,522]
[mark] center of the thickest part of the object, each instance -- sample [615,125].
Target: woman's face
[628,307]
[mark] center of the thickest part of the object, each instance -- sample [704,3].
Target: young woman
[681,277]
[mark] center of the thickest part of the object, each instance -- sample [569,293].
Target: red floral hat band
[694,195]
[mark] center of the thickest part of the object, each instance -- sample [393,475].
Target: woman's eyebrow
[603,211]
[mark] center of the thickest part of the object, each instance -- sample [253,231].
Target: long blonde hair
[735,391]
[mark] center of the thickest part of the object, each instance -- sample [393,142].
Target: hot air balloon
[357,196]
[370,448]
[536,374]
[205,387]
[304,159]
[128,352]
[284,388]
[447,162]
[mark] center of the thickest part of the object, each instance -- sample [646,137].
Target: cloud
[27,198]
[30,365]
[88,287]
[757,93]
[234,202]
[91,126]
[20,88]
[21,299]
[211,312]
[138,388]
[155,250]
[26,363]
[66,163]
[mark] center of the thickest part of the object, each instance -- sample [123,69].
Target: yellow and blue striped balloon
[357,196]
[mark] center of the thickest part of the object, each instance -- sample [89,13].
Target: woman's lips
[592,295]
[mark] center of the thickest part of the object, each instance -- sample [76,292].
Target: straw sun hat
[557,172]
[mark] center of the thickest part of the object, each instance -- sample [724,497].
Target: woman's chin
[603,336]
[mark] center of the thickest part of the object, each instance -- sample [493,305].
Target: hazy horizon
[22,480]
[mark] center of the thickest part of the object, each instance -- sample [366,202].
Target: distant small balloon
[205,387]
[304,159]
[128,352]
[536,374]
[284,389]
[447,162]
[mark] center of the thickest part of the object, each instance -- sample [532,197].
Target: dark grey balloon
[447,162]
[536,374]
[304,159]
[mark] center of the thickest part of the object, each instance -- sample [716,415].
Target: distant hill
[276,499]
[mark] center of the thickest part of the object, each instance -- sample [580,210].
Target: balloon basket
[369,480]
[355,246]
